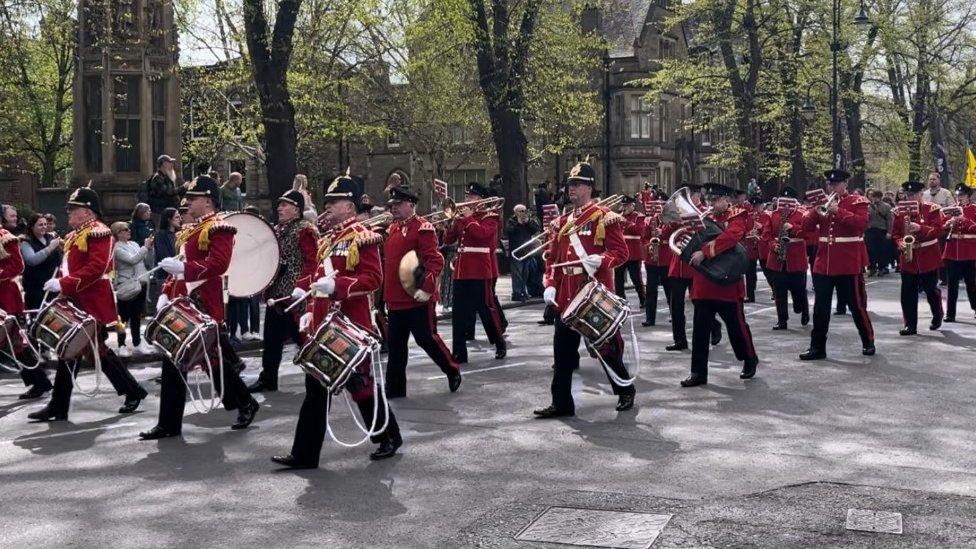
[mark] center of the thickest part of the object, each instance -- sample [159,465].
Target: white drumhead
[256,255]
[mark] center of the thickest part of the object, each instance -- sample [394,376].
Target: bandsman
[960,251]
[916,235]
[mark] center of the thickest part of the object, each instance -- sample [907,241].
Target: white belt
[792,240]
[961,236]
[841,239]
[474,250]
[924,244]
[572,270]
[631,237]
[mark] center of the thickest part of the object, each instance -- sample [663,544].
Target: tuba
[726,268]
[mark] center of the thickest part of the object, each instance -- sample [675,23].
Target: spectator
[300,184]
[161,190]
[12,221]
[141,223]
[877,235]
[244,312]
[130,285]
[542,197]
[230,194]
[936,193]
[520,229]
[164,246]
[41,250]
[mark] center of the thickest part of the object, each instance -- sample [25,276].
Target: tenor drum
[337,349]
[256,257]
[183,334]
[596,313]
[64,329]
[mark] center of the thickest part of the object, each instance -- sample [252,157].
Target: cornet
[822,210]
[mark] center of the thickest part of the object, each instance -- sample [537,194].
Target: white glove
[549,295]
[297,294]
[592,263]
[326,285]
[172,266]
[421,296]
[53,285]
[304,322]
[162,301]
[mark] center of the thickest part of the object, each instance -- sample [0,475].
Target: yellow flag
[970,168]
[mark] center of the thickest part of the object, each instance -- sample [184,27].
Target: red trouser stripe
[743,328]
[432,323]
[861,305]
[496,319]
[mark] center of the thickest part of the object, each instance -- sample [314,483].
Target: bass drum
[256,258]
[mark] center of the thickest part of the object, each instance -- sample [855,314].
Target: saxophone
[655,242]
[783,237]
[908,252]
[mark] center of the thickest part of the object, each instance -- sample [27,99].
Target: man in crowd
[230,194]
[519,229]
[878,233]
[936,193]
[161,188]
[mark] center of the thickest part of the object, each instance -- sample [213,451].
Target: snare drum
[64,329]
[183,334]
[596,313]
[337,349]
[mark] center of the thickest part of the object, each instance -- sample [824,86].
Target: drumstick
[305,297]
[568,263]
[156,268]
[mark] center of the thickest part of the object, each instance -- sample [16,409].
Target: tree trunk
[852,113]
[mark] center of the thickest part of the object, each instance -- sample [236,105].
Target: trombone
[539,242]
[449,210]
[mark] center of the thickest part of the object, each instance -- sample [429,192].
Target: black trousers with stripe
[740,336]
[420,321]
[656,276]
[850,290]
[474,297]
[957,271]
[911,283]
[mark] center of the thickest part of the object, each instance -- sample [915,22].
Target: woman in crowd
[130,284]
[141,223]
[164,246]
[42,256]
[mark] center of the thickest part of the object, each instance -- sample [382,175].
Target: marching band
[354,282]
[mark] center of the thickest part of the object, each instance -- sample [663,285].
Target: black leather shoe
[388,448]
[779,326]
[906,331]
[47,413]
[260,387]
[454,382]
[459,360]
[749,368]
[32,393]
[500,352]
[717,337]
[804,319]
[130,405]
[749,300]
[949,319]
[677,346]
[545,323]
[246,415]
[646,324]
[625,402]
[290,462]
[156,433]
[550,412]
[936,324]
[694,380]
[869,350]
[813,354]
[840,313]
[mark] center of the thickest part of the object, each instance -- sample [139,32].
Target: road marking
[469,372]
[73,432]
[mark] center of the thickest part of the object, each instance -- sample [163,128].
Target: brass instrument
[655,242]
[379,221]
[783,236]
[449,210]
[531,247]
[676,209]
[833,198]
[908,241]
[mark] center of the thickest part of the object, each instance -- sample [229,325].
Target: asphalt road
[896,428]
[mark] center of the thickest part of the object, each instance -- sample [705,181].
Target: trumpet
[822,210]
[539,242]
[447,212]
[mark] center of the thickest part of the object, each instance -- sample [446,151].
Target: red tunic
[664,253]
[568,280]
[840,249]
[926,257]
[796,251]
[961,244]
[812,236]
[414,234]
[765,242]
[753,231]
[633,230]
[207,248]
[477,238]
[11,266]
[85,271]
[737,223]
[354,254]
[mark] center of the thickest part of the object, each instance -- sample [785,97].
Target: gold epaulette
[611,218]
[220,226]
[305,225]
[367,237]
[99,231]
[427,226]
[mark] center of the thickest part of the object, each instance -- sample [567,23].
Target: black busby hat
[478,189]
[913,186]
[403,193]
[790,192]
[962,188]
[204,185]
[345,187]
[365,204]
[294,197]
[659,195]
[755,200]
[836,176]
[86,197]
[584,173]
[717,189]
[627,199]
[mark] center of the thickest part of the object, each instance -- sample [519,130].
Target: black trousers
[312,418]
[420,321]
[549,314]
[740,337]
[172,393]
[279,327]
[678,289]
[911,283]
[631,268]
[117,374]
[474,297]
[565,351]
[790,284]
[656,276]
[957,271]
[876,241]
[769,275]
[751,280]
[850,290]
[32,376]
[130,312]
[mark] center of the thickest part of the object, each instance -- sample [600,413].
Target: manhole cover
[595,528]
[867,520]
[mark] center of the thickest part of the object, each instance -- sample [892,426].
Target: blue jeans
[520,274]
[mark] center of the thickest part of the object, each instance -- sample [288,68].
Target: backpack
[144,190]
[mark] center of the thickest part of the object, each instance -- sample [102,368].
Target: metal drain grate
[866,520]
[595,528]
